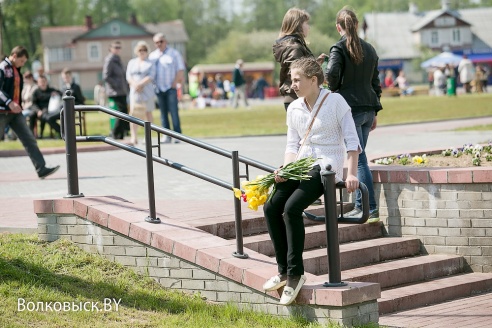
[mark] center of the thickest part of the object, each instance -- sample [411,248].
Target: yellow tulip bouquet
[257,191]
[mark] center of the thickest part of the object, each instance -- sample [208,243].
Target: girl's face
[305,28]
[302,85]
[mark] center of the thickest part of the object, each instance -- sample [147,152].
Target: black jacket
[286,50]
[358,84]
[7,84]
[76,92]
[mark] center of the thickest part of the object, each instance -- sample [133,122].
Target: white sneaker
[290,294]
[274,283]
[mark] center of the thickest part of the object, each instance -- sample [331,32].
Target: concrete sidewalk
[122,174]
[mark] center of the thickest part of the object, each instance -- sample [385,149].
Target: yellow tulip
[237,193]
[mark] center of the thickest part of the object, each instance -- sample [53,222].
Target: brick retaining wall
[115,229]
[449,210]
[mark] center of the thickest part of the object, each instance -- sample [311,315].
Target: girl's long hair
[347,19]
[292,22]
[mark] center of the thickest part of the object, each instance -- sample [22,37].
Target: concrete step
[433,291]
[408,270]
[361,253]
[316,237]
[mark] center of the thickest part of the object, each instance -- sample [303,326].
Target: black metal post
[70,145]
[331,223]
[237,208]
[152,218]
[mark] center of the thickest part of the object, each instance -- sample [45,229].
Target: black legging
[283,213]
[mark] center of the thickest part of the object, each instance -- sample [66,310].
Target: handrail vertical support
[237,208]
[70,145]
[152,218]
[331,223]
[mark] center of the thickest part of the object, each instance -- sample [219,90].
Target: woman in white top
[333,125]
[139,76]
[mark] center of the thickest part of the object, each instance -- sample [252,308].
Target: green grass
[270,119]
[476,128]
[38,271]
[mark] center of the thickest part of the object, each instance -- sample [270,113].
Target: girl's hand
[352,183]
[278,179]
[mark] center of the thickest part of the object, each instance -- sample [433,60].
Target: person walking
[11,83]
[319,124]
[169,72]
[467,73]
[139,74]
[291,45]
[116,87]
[353,73]
[239,84]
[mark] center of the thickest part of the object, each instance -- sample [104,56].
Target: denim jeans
[18,124]
[363,122]
[168,104]
[283,213]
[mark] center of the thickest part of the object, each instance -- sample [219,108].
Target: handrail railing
[328,177]
[68,133]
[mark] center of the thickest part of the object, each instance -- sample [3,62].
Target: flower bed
[468,155]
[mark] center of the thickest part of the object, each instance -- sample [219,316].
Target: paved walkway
[122,174]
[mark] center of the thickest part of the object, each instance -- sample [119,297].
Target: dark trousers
[52,119]
[283,213]
[18,124]
[120,126]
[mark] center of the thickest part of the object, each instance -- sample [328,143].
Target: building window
[94,51]
[456,36]
[60,55]
[434,38]
[115,29]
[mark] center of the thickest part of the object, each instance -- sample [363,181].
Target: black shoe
[46,171]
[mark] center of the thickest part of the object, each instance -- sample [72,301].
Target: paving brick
[434,240]
[480,241]
[204,275]
[418,176]
[71,220]
[458,205]
[456,241]
[481,223]
[435,222]
[438,176]
[473,232]
[415,222]
[126,260]
[427,231]
[460,176]
[472,251]
[482,176]
[449,232]
[193,284]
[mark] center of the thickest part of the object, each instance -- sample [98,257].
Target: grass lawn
[45,272]
[270,119]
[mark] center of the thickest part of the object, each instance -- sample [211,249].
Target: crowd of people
[26,100]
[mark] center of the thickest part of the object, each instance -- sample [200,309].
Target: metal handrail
[68,134]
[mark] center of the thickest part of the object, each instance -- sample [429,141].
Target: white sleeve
[292,141]
[350,133]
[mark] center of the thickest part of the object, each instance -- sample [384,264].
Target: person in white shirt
[333,127]
[467,73]
[139,73]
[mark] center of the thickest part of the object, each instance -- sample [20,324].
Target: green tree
[148,11]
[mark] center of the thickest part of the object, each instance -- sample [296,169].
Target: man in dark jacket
[40,105]
[114,76]
[239,85]
[11,82]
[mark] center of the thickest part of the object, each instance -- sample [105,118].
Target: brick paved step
[408,270]
[316,237]
[253,222]
[433,291]
[361,253]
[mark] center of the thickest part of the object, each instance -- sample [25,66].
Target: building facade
[82,48]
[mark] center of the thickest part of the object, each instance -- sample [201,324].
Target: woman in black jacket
[352,72]
[289,46]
